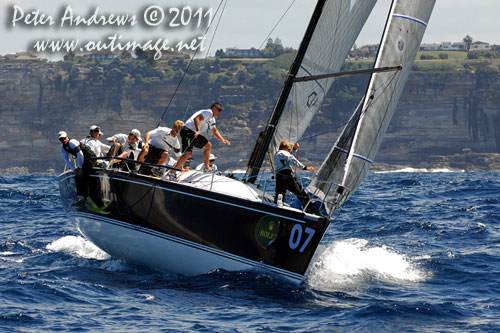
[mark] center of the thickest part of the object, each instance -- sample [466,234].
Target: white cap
[137,134]
[211,157]
[62,134]
[93,127]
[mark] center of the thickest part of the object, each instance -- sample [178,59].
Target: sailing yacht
[200,221]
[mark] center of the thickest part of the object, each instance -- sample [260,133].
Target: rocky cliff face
[440,114]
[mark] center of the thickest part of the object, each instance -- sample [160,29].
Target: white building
[243,53]
[479,46]
[449,46]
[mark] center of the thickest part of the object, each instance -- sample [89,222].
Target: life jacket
[73,151]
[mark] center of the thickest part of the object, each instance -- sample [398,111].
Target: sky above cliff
[244,24]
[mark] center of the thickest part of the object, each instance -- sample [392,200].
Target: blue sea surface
[409,252]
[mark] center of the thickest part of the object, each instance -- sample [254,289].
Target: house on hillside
[167,55]
[21,56]
[479,46]
[102,56]
[243,53]
[430,47]
[449,46]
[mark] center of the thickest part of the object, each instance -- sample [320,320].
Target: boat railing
[329,196]
[134,162]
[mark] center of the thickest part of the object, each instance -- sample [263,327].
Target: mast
[262,145]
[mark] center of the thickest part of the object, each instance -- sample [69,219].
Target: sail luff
[262,145]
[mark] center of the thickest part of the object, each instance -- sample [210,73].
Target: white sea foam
[79,247]
[422,170]
[10,257]
[352,263]
[147,297]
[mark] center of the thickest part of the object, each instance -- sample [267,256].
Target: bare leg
[114,149]
[183,159]
[122,155]
[206,154]
[143,154]
[163,158]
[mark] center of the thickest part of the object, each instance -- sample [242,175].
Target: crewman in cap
[84,163]
[211,161]
[92,141]
[124,145]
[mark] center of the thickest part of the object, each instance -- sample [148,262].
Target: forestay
[351,157]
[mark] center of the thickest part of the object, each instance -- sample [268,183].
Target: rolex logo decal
[267,230]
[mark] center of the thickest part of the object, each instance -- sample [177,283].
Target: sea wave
[350,263]
[419,170]
[78,246]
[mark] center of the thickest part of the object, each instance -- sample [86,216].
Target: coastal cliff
[444,118]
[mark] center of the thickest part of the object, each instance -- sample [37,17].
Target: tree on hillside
[220,53]
[124,55]
[70,56]
[468,41]
[274,48]
[140,53]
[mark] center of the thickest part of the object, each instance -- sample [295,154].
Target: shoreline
[464,162]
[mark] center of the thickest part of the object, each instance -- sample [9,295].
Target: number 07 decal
[296,237]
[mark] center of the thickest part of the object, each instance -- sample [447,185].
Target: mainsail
[330,36]
[351,157]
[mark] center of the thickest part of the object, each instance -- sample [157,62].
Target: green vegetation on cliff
[39,98]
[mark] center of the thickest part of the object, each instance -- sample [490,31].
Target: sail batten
[362,136]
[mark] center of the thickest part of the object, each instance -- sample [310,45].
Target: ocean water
[411,251]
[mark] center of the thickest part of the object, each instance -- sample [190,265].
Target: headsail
[329,41]
[351,157]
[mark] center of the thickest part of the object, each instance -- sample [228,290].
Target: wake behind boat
[201,221]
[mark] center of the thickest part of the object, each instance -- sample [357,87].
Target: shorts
[188,140]
[119,151]
[154,154]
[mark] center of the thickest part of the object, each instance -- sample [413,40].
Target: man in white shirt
[92,141]
[124,145]
[160,144]
[200,122]
[84,163]
[211,160]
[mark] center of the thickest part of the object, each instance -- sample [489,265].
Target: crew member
[159,142]
[124,146]
[200,122]
[285,178]
[93,142]
[84,163]
[211,161]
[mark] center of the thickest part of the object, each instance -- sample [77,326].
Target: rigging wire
[276,25]
[385,85]
[187,68]
[208,52]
